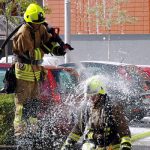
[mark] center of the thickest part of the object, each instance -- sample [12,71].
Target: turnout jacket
[27,40]
[107,123]
[29,46]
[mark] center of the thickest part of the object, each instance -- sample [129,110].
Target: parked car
[124,82]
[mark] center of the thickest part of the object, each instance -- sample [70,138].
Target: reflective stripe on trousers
[20,124]
[18,115]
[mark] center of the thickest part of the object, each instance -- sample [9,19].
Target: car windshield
[104,68]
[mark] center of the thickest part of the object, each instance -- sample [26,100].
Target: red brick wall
[140,9]
[56,17]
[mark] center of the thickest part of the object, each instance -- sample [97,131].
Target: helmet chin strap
[31,26]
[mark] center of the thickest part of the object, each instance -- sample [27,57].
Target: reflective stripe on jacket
[38,54]
[18,117]
[25,72]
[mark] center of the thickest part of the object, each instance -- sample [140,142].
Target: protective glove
[125,146]
[67,46]
[61,50]
[90,135]
[125,143]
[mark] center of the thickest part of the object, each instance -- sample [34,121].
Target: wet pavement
[139,128]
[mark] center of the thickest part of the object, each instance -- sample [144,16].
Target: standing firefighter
[101,123]
[29,45]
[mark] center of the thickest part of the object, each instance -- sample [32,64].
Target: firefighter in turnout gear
[102,123]
[30,43]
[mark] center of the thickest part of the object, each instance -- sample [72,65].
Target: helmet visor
[41,18]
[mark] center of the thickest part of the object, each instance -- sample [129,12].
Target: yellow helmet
[94,86]
[34,14]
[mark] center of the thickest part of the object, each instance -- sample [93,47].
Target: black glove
[125,146]
[61,50]
[67,46]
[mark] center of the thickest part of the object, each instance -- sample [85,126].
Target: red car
[59,82]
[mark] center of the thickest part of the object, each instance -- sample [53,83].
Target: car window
[65,81]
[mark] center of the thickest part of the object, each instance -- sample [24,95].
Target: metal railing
[11,25]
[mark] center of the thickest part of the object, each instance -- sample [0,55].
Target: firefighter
[30,43]
[101,123]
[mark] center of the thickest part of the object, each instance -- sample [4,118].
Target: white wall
[133,49]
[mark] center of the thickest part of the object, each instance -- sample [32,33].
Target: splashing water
[58,120]
[50,131]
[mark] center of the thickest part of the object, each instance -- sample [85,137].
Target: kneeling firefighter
[101,122]
[30,43]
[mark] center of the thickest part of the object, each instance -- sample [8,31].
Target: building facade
[98,16]
[85,22]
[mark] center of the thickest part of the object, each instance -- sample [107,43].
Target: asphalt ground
[137,147]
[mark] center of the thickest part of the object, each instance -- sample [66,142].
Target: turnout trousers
[26,104]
